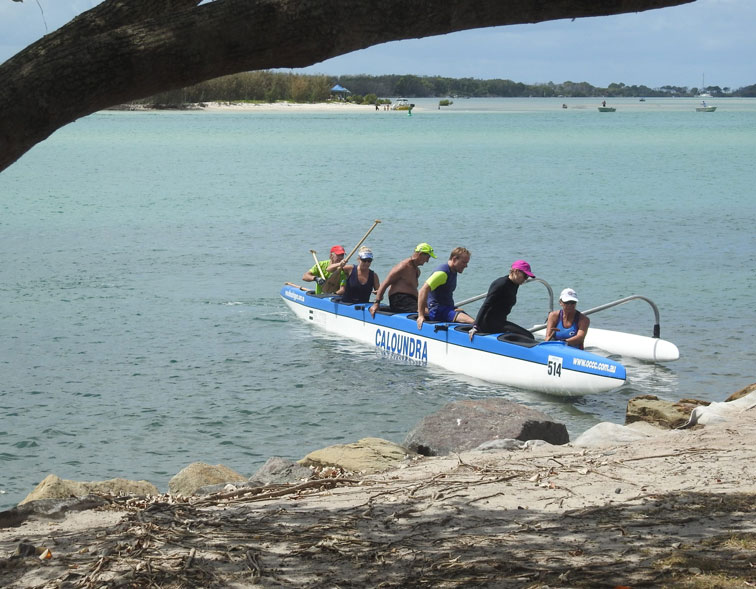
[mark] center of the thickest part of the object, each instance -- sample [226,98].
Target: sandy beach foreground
[675,510]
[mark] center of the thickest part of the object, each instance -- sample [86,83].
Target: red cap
[337,249]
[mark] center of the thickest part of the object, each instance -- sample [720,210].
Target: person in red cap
[501,297]
[314,275]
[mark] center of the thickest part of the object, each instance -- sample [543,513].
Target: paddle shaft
[332,282]
[317,264]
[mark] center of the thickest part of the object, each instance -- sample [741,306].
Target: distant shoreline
[254,106]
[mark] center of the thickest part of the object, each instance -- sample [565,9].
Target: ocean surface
[141,327]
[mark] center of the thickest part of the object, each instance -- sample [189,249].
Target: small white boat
[401,104]
[706,108]
[547,367]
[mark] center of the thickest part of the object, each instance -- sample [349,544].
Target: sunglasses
[569,302]
[367,261]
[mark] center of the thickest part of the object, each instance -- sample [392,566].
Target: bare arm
[551,325]
[339,266]
[576,341]
[381,290]
[422,300]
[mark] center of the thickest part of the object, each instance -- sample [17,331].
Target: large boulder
[465,425]
[741,393]
[367,456]
[54,487]
[198,475]
[55,509]
[665,414]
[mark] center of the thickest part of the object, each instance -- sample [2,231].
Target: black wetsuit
[492,316]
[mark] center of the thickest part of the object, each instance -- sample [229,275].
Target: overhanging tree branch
[123,50]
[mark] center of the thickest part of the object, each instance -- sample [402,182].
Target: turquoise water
[142,255]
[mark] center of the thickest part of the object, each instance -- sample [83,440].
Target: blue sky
[674,46]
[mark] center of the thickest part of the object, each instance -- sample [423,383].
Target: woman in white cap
[567,325]
[361,281]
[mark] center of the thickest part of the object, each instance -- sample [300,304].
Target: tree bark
[122,50]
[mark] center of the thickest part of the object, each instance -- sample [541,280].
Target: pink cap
[338,249]
[524,266]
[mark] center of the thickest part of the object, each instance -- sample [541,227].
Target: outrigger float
[503,358]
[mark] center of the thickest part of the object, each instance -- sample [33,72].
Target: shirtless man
[403,282]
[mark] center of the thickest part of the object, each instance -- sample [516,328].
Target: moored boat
[548,367]
[606,109]
[401,104]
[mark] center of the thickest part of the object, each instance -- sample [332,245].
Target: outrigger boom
[650,349]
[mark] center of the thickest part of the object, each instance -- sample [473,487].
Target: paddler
[568,325]
[501,297]
[319,272]
[438,291]
[402,282]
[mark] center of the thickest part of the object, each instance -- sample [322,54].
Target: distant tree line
[267,86]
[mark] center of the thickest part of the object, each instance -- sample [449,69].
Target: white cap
[568,295]
[365,253]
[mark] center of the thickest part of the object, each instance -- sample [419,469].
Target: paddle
[332,282]
[296,286]
[317,264]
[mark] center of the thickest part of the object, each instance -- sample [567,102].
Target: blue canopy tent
[340,91]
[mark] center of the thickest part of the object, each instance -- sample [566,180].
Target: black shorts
[402,302]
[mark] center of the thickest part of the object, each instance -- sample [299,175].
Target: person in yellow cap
[401,282]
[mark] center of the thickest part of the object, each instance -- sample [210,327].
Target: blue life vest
[562,333]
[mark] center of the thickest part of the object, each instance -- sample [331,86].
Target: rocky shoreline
[619,506]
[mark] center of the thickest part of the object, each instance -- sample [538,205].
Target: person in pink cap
[313,275]
[501,297]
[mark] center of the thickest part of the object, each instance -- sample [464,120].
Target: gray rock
[368,456]
[48,509]
[199,474]
[665,414]
[741,393]
[54,487]
[465,425]
[279,471]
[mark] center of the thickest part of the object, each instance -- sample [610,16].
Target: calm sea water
[142,254]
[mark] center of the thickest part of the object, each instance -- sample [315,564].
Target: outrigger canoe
[509,359]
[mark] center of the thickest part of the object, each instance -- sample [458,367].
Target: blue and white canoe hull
[548,367]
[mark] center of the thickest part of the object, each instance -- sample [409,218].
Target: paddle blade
[331,284]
